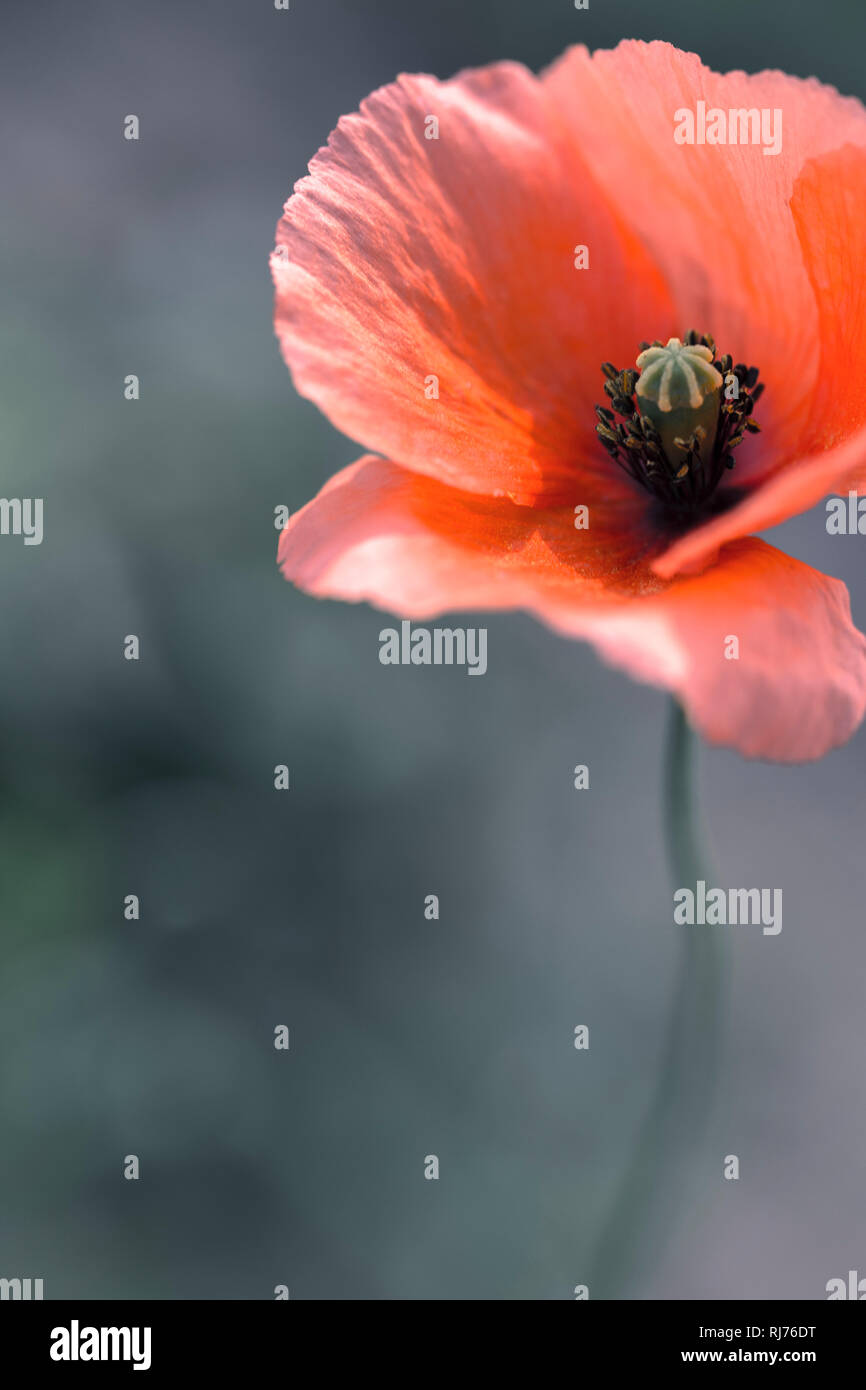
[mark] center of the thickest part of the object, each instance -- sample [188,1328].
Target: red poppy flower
[429,299]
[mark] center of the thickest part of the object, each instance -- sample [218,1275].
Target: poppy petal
[381,532]
[717,217]
[795,688]
[829,210]
[408,266]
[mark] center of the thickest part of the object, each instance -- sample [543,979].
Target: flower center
[682,415]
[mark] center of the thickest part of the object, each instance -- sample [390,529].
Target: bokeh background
[408,1037]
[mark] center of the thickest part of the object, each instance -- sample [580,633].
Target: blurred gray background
[156,777]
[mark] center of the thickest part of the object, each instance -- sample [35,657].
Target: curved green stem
[645,1202]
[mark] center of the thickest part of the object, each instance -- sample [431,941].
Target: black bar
[225,1337]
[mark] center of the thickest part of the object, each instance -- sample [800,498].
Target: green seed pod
[679,390]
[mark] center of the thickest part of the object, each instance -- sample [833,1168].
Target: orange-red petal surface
[419,548]
[828,207]
[402,259]
[741,261]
